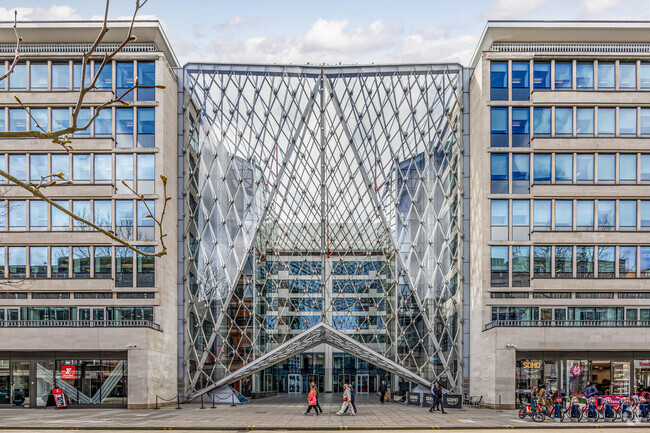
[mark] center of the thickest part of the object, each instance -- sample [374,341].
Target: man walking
[382,391]
[436,390]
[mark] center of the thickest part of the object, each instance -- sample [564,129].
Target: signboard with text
[67,372]
[413,398]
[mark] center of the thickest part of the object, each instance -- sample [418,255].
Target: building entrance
[343,379]
[362,383]
[294,383]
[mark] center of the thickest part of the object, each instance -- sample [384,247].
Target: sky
[328,31]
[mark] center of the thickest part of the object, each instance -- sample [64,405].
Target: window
[60,118]
[521,213]
[61,164]
[606,75]
[520,127]
[38,262]
[103,267]
[499,173]
[552,295]
[103,167]
[124,218]
[38,76]
[644,75]
[594,295]
[17,215]
[542,121]
[18,78]
[627,214]
[542,166]
[83,120]
[147,127]
[542,261]
[37,215]
[520,83]
[499,264]
[105,80]
[645,168]
[520,266]
[585,121]
[509,295]
[123,267]
[627,75]
[563,168]
[499,127]
[595,313]
[606,121]
[606,168]
[585,214]
[102,213]
[76,76]
[645,214]
[627,121]
[585,167]
[60,221]
[17,262]
[563,75]
[499,219]
[606,262]
[645,121]
[81,262]
[82,209]
[627,167]
[606,214]
[515,313]
[146,173]
[644,262]
[146,77]
[563,262]
[542,214]
[498,81]
[81,167]
[145,224]
[627,262]
[585,75]
[60,76]
[38,119]
[129,313]
[564,121]
[146,268]
[18,166]
[17,118]
[104,123]
[585,261]
[542,76]
[124,77]
[123,172]
[520,173]
[124,127]
[563,214]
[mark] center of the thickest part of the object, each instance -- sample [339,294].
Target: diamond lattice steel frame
[322,194]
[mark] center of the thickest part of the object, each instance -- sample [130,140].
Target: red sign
[59,397]
[67,372]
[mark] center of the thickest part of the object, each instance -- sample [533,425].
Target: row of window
[565,122]
[569,295]
[316,304]
[513,266]
[624,215]
[314,286]
[54,119]
[114,215]
[565,75]
[87,262]
[76,313]
[66,75]
[86,168]
[570,313]
[565,168]
[77,295]
[340,267]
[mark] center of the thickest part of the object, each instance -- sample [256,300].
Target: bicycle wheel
[626,416]
[538,417]
[522,413]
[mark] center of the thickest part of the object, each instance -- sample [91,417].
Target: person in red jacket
[313,402]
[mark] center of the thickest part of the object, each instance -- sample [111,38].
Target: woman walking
[311,399]
[346,401]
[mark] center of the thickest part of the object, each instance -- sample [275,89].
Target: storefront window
[641,376]
[529,374]
[93,381]
[621,378]
[576,373]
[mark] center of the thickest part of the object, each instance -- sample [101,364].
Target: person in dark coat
[382,391]
[436,390]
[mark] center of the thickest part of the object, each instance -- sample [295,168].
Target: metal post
[202,407]
[233,399]
[499,404]
[156,408]
[212,398]
[178,401]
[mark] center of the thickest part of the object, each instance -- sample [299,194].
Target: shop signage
[532,364]
[59,398]
[67,372]
[428,399]
[576,370]
[413,398]
[453,401]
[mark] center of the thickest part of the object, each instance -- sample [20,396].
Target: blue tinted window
[124,213]
[542,165]
[17,214]
[563,213]
[124,120]
[59,219]
[564,121]
[585,167]
[82,120]
[520,81]
[606,213]
[563,167]
[644,211]
[520,127]
[146,77]
[585,121]
[645,121]
[627,213]
[103,167]
[60,118]
[542,213]
[563,75]
[123,166]
[520,166]
[38,119]
[60,75]
[606,121]
[18,166]
[76,75]
[585,213]
[61,164]
[18,78]
[627,167]
[499,213]
[17,119]
[520,213]
[499,81]
[81,167]
[105,80]
[606,75]
[499,127]
[124,79]
[146,166]
[627,75]
[499,167]
[37,167]
[585,75]
[627,121]
[541,76]
[627,262]
[102,213]
[644,75]
[645,167]
[542,121]
[38,76]
[37,213]
[147,127]
[104,122]
[499,266]
[606,167]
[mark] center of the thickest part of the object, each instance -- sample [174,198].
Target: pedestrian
[352,404]
[436,390]
[591,391]
[382,391]
[313,385]
[541,396]
[311,399]
[346,400]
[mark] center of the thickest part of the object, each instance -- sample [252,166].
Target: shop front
[87,379]
[616,374]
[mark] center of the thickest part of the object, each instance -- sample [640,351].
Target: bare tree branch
[16,55]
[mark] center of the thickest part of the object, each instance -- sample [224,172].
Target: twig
[16,55]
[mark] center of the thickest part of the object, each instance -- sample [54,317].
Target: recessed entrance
[294,383]
[362,383]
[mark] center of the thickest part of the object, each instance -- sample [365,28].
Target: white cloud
[504,9]
[53,13]
[238,22]
[434,45]
[591,8]
[335,36]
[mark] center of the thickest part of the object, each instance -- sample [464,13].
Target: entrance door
[20,384]
[362,384]
[294,383]
[343,379]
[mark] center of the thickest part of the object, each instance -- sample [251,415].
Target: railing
[568,323]
[562,47]
[74,48]
[79,324]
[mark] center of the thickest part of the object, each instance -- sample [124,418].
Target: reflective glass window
[541,75]
[645,121]
[520,266]
[37,167]
[644,75]
[83,120]
[542,166]
[627,75]
[147,127]
[521,213]
[17,119]
[81,208]
[17,262]
[38,76]
[18,166]
[627,262]
[585,214]
[60,76]
[499,265]
[499,213]
[563,262]
[37,214]
[606,75]
[585,121]
[585,261]
[564,121]
[145,224]
[606,214]
[61,164]
[499,81]
[124,213]
[627,213]
[60,219]
[585,167]
[520,127]
[76,75]
[124,80]
[103,167]
[103,267]
[17,214]
[644,211]
[38,262]
[123,166]
[606,167]
[146,268]
[627,121]
[102,213]
[627,167]
[499,127]
[60,118]
[606,262]
[542,261]
[123,267]
[146,166]
[563,167]
[645,167]
[146,77]
[104,122]
[520,81]
[563,213]
[124,127]
[542,213]
[644,262]
[542,121]
[585,75]
[105,80]
[18,78]
[81,262]
[38,119]
[563,75]
[499,173]
[81,167]
[520,166]
[606,121]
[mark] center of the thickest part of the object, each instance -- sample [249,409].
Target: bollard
[499,410]
[202,407]
[156,408]
[212,398]
[178,401]
[233,399]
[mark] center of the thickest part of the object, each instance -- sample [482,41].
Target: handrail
[567,323]
[80,324]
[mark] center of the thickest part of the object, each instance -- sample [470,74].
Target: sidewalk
[278,413]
